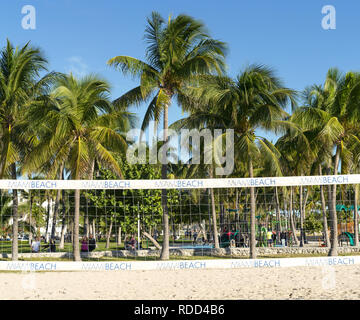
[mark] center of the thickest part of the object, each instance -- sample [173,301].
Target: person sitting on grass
[85,245]
[35,245]
[133,242]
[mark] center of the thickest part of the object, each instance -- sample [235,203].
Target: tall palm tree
[83,126]
[255,99]
[20,87]
[178,52]
[332,115]
[202,116]
[297,157]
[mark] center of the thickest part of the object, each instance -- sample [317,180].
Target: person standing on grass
[269,238]
[195,235]
[156,235]
[273,237]
[282,238]
[35,246]
[92,243]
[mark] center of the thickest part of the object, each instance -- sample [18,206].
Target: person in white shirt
[35,246]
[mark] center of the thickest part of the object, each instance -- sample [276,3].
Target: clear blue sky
[81,35]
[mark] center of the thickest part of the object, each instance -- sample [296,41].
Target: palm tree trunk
[237,209]
[30,217]
[48,217]
[213,212]
[293,229]
[154,242]
[325,224]
[323,207]
[108,235]
[173,229]
[93,228]
[76,246]
[57,206]
[245,214]
[119,237]
[15,226]
[277,203]
[56,210]
[86,219]
[62,236]
[356,216]
[304,211]
[301,216]
[333,215]
[252,214]
[63,223]
[165,251]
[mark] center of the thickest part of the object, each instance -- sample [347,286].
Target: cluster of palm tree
[59,127]
[54,124]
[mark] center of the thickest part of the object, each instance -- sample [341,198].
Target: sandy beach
[340,282]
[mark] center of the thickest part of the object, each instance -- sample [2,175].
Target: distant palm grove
[58,126]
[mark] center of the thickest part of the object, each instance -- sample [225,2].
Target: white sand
[340,282]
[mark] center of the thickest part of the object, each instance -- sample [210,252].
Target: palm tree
[86,128]
[332,115]
[20,88]
[255,99]
[297,157]
[177,53]
[202,116]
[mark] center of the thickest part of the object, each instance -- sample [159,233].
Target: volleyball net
[123,219]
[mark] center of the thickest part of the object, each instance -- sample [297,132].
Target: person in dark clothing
[283,238]
[195,235]
[132,242]
[92,243]
[274,238]
[51,246]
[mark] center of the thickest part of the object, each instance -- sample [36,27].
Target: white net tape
[179,183]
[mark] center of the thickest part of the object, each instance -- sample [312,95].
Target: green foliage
[179,50]
[124,206]
[313,222]
[76,127]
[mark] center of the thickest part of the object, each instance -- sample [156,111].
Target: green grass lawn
[24,247]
